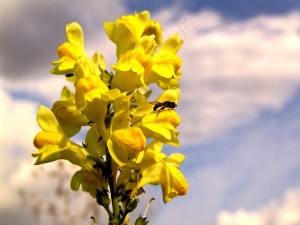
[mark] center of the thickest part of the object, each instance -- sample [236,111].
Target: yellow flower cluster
[126,131]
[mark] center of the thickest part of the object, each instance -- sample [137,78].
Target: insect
[69,75]
[162,105]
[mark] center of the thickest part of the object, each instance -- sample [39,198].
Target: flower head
[125,131]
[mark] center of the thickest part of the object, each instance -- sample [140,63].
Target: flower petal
[47,120]
[75,34]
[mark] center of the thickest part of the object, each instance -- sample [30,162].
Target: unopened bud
[102,198]
[132,204]
[141,221]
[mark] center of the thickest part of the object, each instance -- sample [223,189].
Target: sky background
[240,111]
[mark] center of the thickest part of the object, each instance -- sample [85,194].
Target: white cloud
[17,172]
[233,70]
[286,212]
[18,129]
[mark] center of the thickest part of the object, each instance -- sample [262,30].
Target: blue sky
[239,107]
[235,10]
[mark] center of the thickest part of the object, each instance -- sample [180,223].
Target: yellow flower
[73,58]
[122,150]
[162,127]
[69,118]
[166,63]
[159,124]
[53,144]
[141,67]
[132,70]
[131,173]
[70,51]
[127,31]
[87,89]
[165,172]
[173,183]
[152,155]
[126,144]
[92,97]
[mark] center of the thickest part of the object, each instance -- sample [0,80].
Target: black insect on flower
[163,105]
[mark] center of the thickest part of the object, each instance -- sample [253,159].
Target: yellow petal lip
[165,116]
[162,126]
[126,146]
[88,89]
[59,141]
[67,49]
[131,139]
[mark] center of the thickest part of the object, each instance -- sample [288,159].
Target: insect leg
[161,109]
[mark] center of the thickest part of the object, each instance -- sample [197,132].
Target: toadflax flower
[66,113]
[70,51]
[162,170]
[126,144]
[124,131]
[127,31]
[53,144]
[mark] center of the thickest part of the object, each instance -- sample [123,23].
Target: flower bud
[141,221]
[102,198]
[132,204]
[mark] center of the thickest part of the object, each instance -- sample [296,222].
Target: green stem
[111,216]
[113,194]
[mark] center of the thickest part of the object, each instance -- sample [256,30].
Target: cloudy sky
[240,104]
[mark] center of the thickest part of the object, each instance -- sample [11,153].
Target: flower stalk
[122,150]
